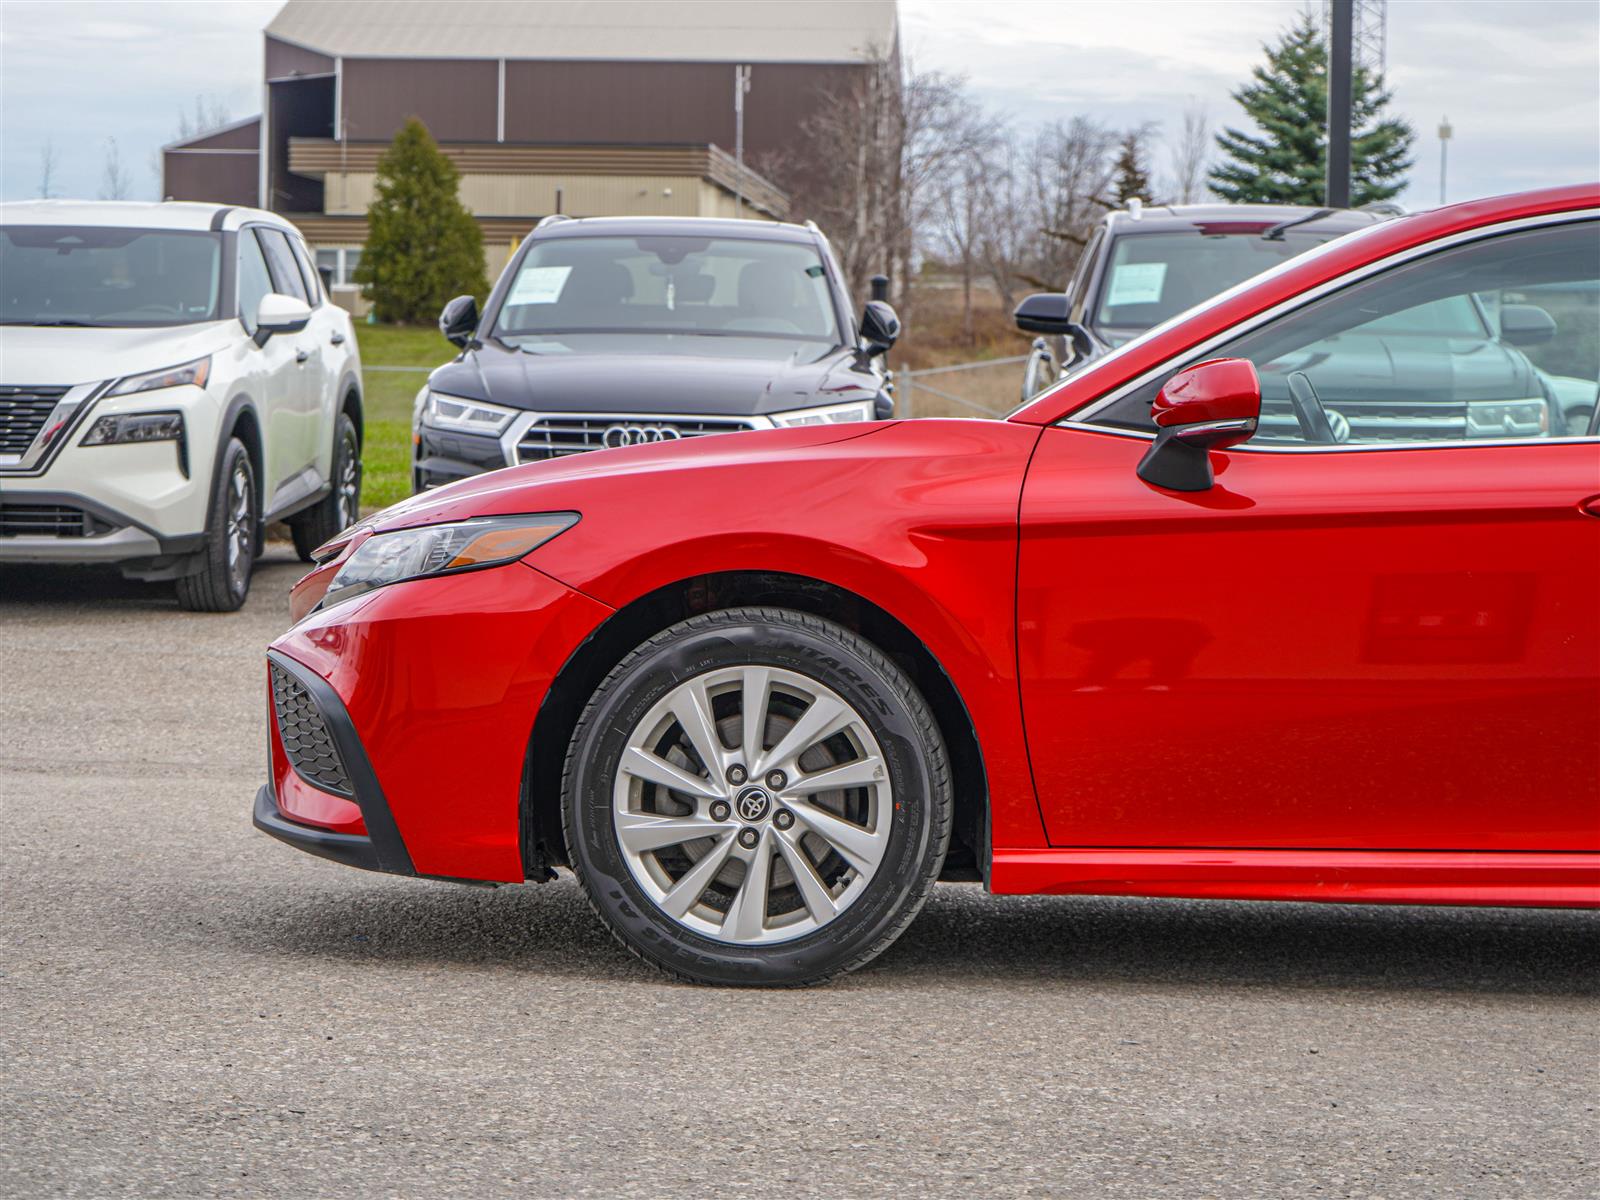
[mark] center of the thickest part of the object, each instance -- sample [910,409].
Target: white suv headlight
[828,414]
[185,374]
[465,416]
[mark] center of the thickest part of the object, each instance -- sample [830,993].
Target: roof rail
[552,219]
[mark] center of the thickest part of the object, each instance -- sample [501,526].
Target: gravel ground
[190,1008]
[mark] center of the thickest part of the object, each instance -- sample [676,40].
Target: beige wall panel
[535,195]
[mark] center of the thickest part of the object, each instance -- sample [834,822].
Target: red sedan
[1295,597]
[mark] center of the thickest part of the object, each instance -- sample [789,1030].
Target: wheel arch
[350,402]
[541,835]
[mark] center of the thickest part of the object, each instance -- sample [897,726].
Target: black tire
[859,674]
[223,581]
[338,510]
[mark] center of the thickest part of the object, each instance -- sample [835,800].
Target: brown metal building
[617,108]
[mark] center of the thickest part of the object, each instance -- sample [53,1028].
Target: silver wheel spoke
[857,846]
[692,707]
[753,686]
[824,718]
[813,892]
[747,915]
[642,765]
[681,896]
[643,831]
[862,772]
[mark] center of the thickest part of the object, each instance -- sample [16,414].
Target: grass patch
[388,396]
[385,464]
[402,345]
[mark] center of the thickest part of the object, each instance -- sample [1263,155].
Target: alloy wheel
[348,486]
[240,526]
[752,804]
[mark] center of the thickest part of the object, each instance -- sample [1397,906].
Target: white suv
[172,377]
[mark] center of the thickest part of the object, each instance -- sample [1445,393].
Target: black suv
[614,331]
[1144,265]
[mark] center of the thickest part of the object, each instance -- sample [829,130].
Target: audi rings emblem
[637,435]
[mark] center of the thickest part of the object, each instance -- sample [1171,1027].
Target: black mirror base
[1176,465]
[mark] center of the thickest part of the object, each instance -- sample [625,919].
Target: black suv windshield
[108,277]
[1155,276]
[669,285]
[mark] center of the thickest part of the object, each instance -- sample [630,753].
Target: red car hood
[522,489]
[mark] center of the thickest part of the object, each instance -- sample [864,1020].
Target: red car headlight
[426,550]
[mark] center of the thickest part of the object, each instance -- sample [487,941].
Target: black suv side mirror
[1045,312]
[1526,325]
[459,320]
[879,327]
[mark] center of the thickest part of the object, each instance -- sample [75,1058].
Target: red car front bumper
[401,727]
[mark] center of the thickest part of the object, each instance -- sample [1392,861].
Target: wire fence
[991,387]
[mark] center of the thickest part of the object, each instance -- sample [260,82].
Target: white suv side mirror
[280,314]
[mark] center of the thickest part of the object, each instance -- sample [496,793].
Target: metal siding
[457,99]
[619,102]
[213,178]
[245,135]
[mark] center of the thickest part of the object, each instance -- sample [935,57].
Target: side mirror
[1045,312]
[1526,325]
[1209,406]
[879,327]
[459,320]
[278,313]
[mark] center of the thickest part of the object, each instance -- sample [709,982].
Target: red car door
[1385,650]
[1345,642]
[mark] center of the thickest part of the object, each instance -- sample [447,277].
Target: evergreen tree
[1288,103]
[1131,180]
[423,247]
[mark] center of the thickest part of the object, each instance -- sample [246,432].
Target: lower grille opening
[49,520]
[305,736]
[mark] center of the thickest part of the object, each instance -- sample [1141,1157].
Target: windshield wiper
[55,324]
[1275,234]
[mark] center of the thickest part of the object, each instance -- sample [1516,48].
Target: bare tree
[963,208]
[47,170]
[209,113]
[870,165]
[1190,152]
[114,181]
[1070,168]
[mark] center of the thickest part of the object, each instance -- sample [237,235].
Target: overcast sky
[1519,80]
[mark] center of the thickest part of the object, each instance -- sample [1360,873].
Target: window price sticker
[539,285]
[1137,283]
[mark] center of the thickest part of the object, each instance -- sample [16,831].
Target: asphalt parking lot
[189,1008]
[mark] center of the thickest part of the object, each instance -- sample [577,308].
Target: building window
[337,266]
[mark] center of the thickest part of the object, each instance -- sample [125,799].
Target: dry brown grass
[933,337]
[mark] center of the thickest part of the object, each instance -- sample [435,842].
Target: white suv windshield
[95,276]
[697,286]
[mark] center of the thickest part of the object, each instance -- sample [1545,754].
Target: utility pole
[1339,113]
[741,86]
[1445,134]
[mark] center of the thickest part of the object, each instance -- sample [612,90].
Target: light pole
[1445,133]
[1339,98]
[741,85]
